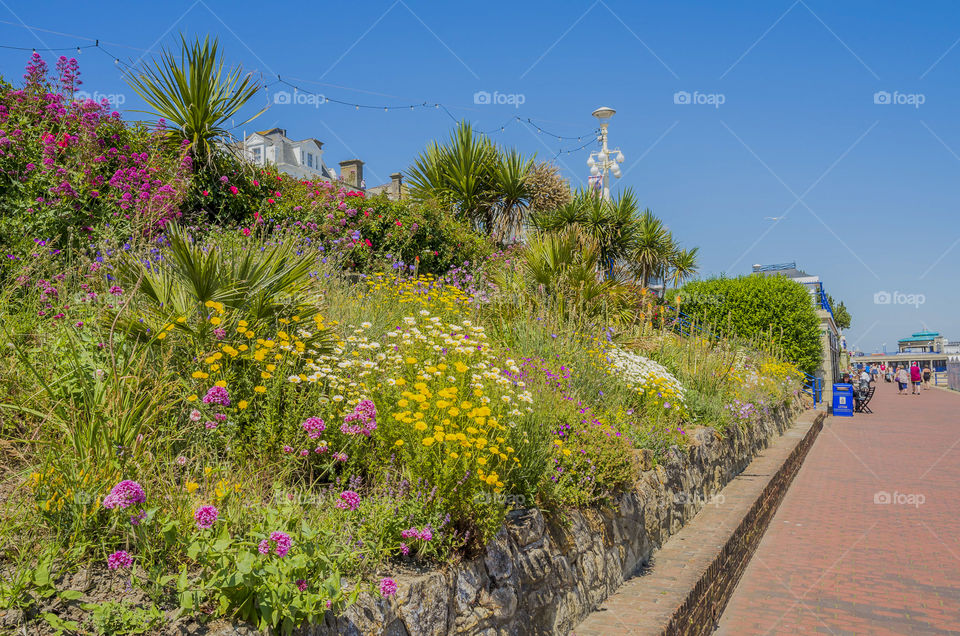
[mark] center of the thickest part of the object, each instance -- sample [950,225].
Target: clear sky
[819,132]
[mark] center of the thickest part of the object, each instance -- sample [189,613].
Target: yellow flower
[401,381]
[242,404]
[265,375]
[192,398]
[207,470]
[242,323]
[482,461]
[460,367]
[428,441]
[161,335]
[453,412]
[420,426]
[271,368]
[402,403]
[181,320]
[399,442]
[214,321]
[221,383]
[191,486]
[454,456]
[411,360]
[260,389]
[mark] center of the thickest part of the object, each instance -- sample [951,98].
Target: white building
[301,159]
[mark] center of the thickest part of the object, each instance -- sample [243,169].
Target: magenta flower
[301,585]
[314,426]
[388,587]
[205,516]
[137,519]
[120,560]
[125,494]
[280,541]
[349,500]
[217,395]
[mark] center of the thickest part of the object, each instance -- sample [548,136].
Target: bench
[862,400]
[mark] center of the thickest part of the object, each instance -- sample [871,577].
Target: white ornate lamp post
[606,160]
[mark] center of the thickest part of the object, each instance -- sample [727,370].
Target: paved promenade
[836,558]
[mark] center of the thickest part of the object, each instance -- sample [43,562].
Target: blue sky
[868,191]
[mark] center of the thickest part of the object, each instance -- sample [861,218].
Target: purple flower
[388,587]
[349,500]
[301,585]
[205,516]
[125,494]
[264,547]
[120,560]
[282,542]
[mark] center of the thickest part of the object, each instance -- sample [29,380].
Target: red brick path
[835,562]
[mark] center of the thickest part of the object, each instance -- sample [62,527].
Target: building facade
[302,159]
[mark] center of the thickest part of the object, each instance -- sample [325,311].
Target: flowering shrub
[70,165]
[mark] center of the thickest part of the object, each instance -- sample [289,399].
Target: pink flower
[349,500]
[314,426]
[120,560]
[125,494]
[181,460]
[301,585]
[245,231]
[388,587]
[233,189]
[205,516]
[404,549]
[206,193]
[264,547]
[256,183]
[304,452]
[195,415]
[210,425]
[287,449]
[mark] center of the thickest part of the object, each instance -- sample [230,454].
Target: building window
[257,156]
[310,159]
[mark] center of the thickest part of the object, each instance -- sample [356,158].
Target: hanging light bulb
[594,170]
[601,156]
[591,162]
[357,106]
[619,157]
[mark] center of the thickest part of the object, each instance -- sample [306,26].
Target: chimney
[351,171]
[396,184]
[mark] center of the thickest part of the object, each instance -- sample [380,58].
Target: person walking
[916,377]
[926,378]
[902,378]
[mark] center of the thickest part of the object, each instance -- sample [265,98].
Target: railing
[825,303]
[813,386]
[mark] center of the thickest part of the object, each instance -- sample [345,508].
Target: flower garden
[252,397]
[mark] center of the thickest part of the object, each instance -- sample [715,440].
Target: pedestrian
[926,378]
[902,378]
[916,377]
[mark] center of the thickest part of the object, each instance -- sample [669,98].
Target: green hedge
[751,306]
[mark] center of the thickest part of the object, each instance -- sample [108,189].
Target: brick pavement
[835,562]
[725,529]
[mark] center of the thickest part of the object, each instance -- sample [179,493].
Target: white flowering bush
[656,386]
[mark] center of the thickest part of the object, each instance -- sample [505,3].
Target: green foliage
[758,306]
[841,314]
[195,94]
[123,617]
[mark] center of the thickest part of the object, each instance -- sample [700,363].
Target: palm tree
[652,248]
[484,184]
[195,93]
[611,224]
[683,265]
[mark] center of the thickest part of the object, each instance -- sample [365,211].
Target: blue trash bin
[843,400]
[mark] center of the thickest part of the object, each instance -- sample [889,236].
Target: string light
[324,99]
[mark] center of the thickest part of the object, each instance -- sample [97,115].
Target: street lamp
[606,160]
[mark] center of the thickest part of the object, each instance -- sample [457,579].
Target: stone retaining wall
[543,576]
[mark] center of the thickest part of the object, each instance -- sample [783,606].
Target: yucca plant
[486,185]
[195,93]
[257,282]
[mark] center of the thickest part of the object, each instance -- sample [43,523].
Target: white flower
[295,379]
